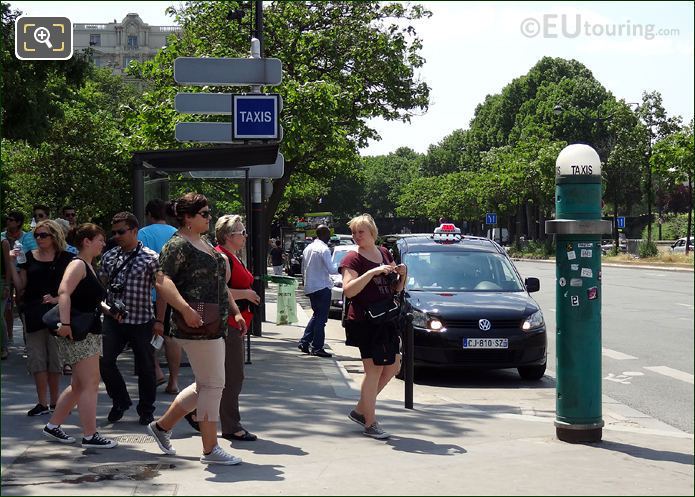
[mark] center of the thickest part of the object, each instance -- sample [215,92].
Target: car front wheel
[532,372]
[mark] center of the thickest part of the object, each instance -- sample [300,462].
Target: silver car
[679,246]
[339,252]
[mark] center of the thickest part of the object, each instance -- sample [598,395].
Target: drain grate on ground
[134,439]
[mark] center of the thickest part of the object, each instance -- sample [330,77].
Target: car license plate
[485,343]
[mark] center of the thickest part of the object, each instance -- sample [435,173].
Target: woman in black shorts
[370,276]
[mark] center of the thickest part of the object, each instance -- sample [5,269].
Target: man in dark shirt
[277,258]
[129,271]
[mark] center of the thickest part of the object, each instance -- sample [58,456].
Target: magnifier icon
[43,35]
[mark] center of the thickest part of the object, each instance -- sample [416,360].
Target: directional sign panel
[210,133]
[255,117]
[204,103]
[275,170]
[491,218]
[620,222]
[208,103]
[227,71]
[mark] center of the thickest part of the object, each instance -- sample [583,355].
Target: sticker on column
[585,245]
[562,281]
[571,255]
[569,247]
[599,275]
[592,293]
[576,282]
[575,300]
[574,267]
[587,273]
[586,253]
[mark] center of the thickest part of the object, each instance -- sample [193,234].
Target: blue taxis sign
[255,117]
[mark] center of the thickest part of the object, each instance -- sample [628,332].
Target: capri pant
[207,361]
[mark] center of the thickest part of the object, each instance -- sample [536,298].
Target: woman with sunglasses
[231,238]
[81,290]
[38,280]
[192,271]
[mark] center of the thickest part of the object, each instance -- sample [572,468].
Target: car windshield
[461,272]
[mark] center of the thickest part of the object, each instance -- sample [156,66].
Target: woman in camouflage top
[191,270]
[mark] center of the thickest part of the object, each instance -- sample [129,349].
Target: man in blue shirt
[317,267]
[154,236]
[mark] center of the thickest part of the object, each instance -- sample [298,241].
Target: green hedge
[673,228]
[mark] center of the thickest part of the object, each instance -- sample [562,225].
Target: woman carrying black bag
[80,290]
[370,281]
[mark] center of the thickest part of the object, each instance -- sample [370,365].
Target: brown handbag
[211,328]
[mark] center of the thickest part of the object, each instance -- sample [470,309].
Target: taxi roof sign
[447,233]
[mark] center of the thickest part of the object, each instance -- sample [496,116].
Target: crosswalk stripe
[673,373]
[614,354]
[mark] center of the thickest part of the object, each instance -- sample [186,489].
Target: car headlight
[423,320]
[535,320]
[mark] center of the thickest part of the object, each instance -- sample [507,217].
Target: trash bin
[287,299]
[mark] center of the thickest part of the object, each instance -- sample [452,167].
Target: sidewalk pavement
[502,442]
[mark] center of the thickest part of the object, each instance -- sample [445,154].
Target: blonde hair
[364,220]
[54,229]
[225,225]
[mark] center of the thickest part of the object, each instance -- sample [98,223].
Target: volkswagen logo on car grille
[484,325]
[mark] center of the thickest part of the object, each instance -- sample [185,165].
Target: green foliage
[32,92]
[532,250]
[673,227]
[343,64]
[647,249]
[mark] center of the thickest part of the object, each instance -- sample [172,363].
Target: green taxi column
[578,228]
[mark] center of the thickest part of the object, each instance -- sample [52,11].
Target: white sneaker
[162,438]
[219,456]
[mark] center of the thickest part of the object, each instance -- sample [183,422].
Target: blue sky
[475,48]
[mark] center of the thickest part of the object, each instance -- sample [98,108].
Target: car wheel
[532,372]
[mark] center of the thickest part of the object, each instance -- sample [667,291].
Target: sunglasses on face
[242,232]
[120,232]
[204,214]
[69,214]
[40,215]
[43,235]
[11,220]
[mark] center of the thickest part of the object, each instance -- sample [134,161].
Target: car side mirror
[532,284]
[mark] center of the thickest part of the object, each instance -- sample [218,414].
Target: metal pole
[258,256]
[409,359]
[139,194]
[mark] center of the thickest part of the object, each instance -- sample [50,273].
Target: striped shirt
[137,278]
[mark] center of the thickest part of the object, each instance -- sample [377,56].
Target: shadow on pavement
[251,472]
[261,446]
[478,378]
[418,446]
[645,452]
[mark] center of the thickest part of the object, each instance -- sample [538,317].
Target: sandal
[161,381]
[246,437]
[172,391]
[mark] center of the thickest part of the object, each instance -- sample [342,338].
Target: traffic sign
[204,103]
[206,71]
[620,222]
[208,103]
[255,117]
[210,133]
[275,170]
[491,218]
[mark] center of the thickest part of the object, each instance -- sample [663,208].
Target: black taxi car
[470,306]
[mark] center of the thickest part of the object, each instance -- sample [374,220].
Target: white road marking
[685,305]
[673,373]
[614,354]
